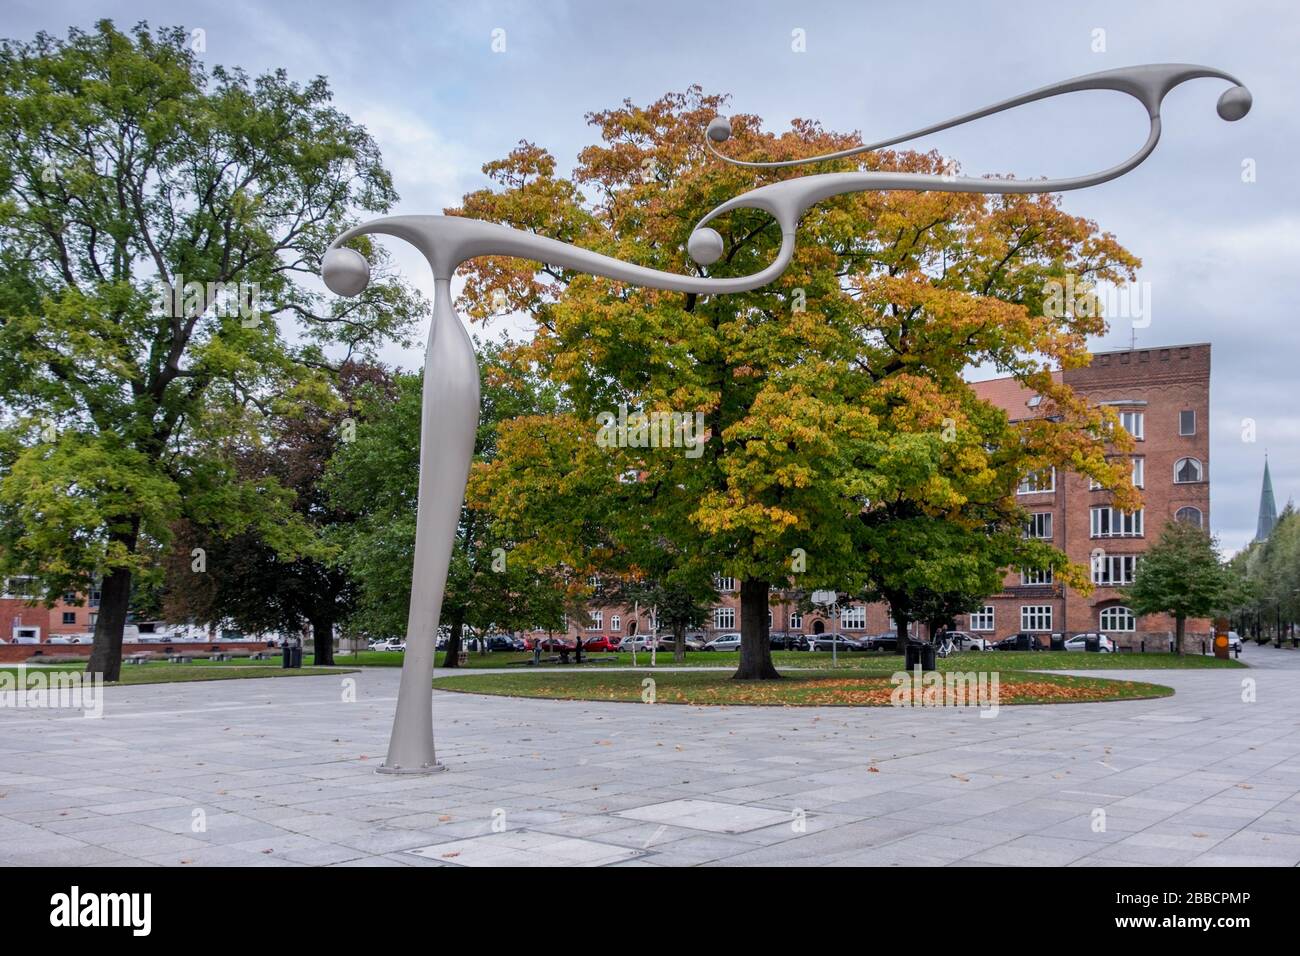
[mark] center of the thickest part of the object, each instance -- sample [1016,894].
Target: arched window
[1189,515]
[1187,470]
[1117,619]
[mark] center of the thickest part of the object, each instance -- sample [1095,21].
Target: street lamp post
[450,401]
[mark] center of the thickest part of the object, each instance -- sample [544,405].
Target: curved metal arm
[448,241]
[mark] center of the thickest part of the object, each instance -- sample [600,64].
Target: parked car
[636,642]
[1079,642]
[1234,641]
[392,644]
[600,644]
[1019,642]
[965,640]
[791,641]
[842,642]
[24,639]
[557,642]
[724,642]
[505,642]
[71,639]
[667,644]
[888,641]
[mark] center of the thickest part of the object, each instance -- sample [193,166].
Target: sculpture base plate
[427,768]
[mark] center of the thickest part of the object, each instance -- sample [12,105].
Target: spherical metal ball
[1234,103]
[719,129]
[705,246]
[345,271]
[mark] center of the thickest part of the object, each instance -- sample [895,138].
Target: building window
[724,618]
[94,619]
[93,598]
[1187,422]
[1189,515]
[726,585]
[1113,523]
[69,617]
[1187,471]
[1117,619]
[1132,423]
[1037,482]
[615,623]
[1039,525]
[982,620]
[1138,476]
[796,621]
[1031,576]
[1113,569]
[853,618]
[1035,617]
[597,621]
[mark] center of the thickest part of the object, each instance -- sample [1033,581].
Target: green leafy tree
[375,477]
[822,393]
[1181,575]
[155,223]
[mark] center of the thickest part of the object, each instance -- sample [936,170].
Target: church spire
[1267,507]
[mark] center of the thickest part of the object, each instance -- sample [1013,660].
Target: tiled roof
[1008,394]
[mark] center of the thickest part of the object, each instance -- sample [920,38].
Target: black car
[504,642]
[882,642]
[828,642]
[1019,642]
[781,641]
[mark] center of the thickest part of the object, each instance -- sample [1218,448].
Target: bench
[180,658]
[260,656]
[217,658]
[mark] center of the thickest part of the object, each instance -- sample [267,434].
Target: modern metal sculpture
[449,416]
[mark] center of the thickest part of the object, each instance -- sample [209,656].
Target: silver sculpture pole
[450,405]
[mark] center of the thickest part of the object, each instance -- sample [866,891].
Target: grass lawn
[801,690]
[818,660]
[164,673]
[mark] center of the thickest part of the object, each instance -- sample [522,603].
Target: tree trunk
[452,657]
[1179,623]
[322,636]
[900,632]
[755,648]
[114,597]
[679,643]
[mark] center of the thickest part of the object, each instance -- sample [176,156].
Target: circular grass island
[805,689]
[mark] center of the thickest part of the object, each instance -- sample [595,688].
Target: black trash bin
[1058,642]
[928,656]
[291,652]
[919,654]
[1092,644]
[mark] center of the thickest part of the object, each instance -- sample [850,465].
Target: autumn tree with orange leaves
[833,399]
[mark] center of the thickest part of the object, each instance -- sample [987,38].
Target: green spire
[1267,507]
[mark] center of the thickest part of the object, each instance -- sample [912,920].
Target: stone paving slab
[239,773]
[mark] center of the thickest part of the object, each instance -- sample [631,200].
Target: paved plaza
[281,773]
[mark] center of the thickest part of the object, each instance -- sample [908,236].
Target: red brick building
[1162,396]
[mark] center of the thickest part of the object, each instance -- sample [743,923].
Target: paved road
[279,772]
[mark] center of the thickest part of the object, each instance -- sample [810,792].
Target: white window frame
[984,619]
[615,624]
[726,585]
[1200,515]
[1103,519]
[597,621]
[1036,618]
[796,621]
[853,618]
[1039,521]
[724,618]
[1115,570]
[1200,471]
[1035,576]
[1031,484]
[1134,422]
[1111,612]
[1181,413]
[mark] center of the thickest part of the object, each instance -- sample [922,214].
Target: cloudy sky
[427,82]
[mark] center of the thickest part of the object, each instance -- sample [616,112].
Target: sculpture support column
[448,425]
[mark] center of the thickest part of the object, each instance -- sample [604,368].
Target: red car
[601,644]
